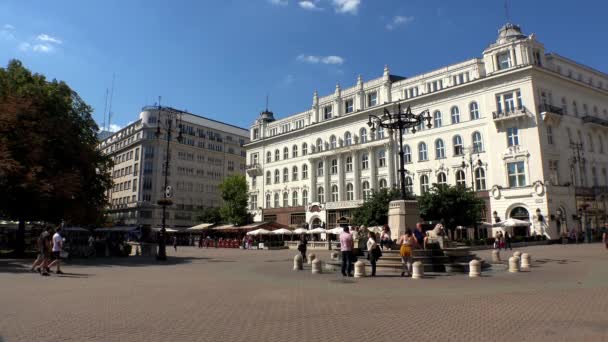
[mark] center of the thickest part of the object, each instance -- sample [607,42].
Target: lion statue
[436,235]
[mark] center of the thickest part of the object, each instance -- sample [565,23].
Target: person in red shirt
[346,247]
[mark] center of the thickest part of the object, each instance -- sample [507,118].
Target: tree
[452,205]
[50,167]
[374,211]
[234,194]
[209,215]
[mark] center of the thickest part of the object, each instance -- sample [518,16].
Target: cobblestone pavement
[234,295]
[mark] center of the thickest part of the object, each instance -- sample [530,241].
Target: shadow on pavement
[558,261]
[138,261]
[14,266]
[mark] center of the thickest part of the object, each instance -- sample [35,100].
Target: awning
[282,231]
[259,232]
[201,226]
[168,230]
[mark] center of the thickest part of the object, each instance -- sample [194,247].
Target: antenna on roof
[507,11]
[266,102]
[105,108]
[111,99]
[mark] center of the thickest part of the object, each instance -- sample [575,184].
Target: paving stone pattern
[235,295]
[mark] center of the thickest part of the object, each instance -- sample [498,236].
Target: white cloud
[114,128]
[49,39]
[278,2]
[398,21]
[309,5]
[25,46]
[347,6]
[8,27]
[45,48]
[7,32]
[334,60]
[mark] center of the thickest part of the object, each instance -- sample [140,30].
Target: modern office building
[209,151]
[525,128]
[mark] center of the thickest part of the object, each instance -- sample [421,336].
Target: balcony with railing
[254,169]
[550,114]
[592,120]
[510,114]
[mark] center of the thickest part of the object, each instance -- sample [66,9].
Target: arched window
[458,147]
[304,171]
[480,179]
[439,149]
[334,166]
[442,179]
[460,178]
[455,115]
[304,149]
[367,192]
[334,193]
[285,199]
[285,153]
[276,200]
[294,198]
[380,133]
[422,153]
[333,142]
[285,175]
[381,158]
[348,139]
[268,178]
[564,105]
[350,193]
[268,157]
[294,151]
[277,177]
[407,154]
[382,184]
[304,197]
[600,143]
[424,184]
[319,145]
[320,169]
[364,161]
[574,108]
[363,135]
[267,200]
[409,185]
[349,164]
[474,110]
[437,119]
[477,142]
[294,173]
[277,155]
[320,195]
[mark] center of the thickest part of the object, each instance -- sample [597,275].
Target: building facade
[525,128]
[209,151]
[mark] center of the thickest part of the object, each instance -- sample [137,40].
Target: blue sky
[221,58]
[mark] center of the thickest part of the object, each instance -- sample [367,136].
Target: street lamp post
[171,115]
[470,151]
[401,122]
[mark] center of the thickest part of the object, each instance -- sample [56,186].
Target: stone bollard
[316,266]
[496,257]
[517,254]
[474,268]
[334,256]
[417,270]
[513,264]
[297,263]
[360,269]
[311,258]
[525,262]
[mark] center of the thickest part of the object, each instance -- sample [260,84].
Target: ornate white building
[527,129]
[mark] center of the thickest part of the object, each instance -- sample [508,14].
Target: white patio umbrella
[300,231]
[335,231]
[316,231]
[282,231]
[516,223]
[376,229]
[259,232]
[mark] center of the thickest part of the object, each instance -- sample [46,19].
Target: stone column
[356,175]
[341,171]
[373,172]
[390,158]
[312,172]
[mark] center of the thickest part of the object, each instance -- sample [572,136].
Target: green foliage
[234,194]
[452,205]
[374,211]
[209,215]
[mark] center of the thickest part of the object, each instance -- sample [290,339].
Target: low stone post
[517,254]
[316,266]
[496,257]
[360,269]
[474,268]
[334,256]
[525,262]
[311,258]
[513,264]
[297,263]
[417,270]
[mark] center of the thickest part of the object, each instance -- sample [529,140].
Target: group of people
[502,241]
[50,248]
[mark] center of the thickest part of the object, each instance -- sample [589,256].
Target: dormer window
[536,56]
[372,99]
[327,112]
[256,133]
[349,106]
[504,60]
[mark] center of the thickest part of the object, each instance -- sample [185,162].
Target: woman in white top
[371,250]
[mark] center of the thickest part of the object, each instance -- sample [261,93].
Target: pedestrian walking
[42,250]
[57,248]
[405,251]
[346,247]
[385,238]
[175,242]
[302,247]
[419,236]
[605,235]
[507,242]
[373,251]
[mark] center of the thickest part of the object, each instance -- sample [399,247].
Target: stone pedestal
[513,264]
[517,254]
[474,269]
[496,257]
[525,262]
[417,270]
[298,262]
[402,214]
[360,269]
[334,256]
[316,266]
[311,258]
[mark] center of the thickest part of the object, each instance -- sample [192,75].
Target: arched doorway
[520,213]
[560,220]
[316,223]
